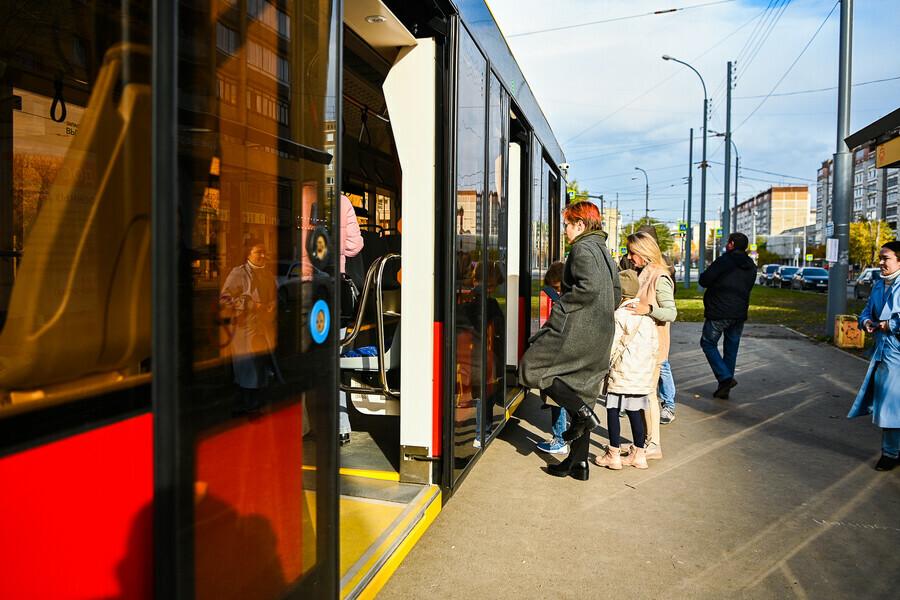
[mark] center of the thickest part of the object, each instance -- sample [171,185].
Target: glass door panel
[257,113]
[469,248]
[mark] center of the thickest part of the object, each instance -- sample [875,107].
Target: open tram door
[387,169]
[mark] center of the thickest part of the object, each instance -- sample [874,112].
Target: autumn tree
[866,238]
[662,232]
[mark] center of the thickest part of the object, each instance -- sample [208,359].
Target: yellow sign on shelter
[888,154]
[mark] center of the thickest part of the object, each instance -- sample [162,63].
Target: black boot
[583,420]
[578,469]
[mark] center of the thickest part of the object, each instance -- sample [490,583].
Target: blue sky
[615,104]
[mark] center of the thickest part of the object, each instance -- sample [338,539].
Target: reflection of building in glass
[249,100]
[468,217]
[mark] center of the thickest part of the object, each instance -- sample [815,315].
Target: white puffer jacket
[635,349]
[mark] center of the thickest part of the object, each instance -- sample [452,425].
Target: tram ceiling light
[375,19]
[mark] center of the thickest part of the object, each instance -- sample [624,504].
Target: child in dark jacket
[548,297]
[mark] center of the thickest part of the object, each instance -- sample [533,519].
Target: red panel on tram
[437,410]
[76,516]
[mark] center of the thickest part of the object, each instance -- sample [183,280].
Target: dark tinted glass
[496,223]
[75,125]
[257,112]
[470,248]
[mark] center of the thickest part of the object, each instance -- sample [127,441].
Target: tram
[177,331]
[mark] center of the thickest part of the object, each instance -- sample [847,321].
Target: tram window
[470,248]
[74,203]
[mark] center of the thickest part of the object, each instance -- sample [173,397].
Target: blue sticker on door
[319,321]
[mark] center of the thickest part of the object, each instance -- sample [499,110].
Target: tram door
[482,253]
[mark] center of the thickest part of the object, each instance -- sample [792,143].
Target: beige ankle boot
[637,458]
[610,459]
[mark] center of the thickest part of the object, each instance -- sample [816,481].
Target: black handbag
[349,296]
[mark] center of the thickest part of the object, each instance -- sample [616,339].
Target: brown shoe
[638,458]
[654,452]
[610,459]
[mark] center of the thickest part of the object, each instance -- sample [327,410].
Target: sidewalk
[771,494]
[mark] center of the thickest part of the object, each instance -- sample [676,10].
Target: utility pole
[618,224]
[737,162]
[687,243]
[726,217]
[843,174]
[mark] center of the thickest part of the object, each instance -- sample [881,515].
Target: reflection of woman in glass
[250,291]
[321,247]
[351,245]
[487,277]
[569,355]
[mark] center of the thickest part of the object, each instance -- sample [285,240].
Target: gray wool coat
[575,341]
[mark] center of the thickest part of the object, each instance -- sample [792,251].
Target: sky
[614,104]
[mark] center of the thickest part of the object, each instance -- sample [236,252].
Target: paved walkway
[771,494]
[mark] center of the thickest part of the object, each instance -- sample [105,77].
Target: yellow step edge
[515,403]
[382,475]
[432,507]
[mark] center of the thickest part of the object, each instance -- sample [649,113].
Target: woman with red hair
[568,356]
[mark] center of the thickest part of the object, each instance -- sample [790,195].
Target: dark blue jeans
[722,366]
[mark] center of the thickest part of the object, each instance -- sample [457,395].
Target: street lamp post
[646,194]
[703,166]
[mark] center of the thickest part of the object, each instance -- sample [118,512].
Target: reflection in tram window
[256,121]
[470,247]
[75,271]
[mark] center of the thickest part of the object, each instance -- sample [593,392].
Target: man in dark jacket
[728,282]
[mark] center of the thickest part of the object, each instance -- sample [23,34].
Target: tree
[662,232]
[763,256]
[866,238]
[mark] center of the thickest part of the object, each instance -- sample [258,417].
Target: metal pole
[702,265]
[646,195]
[726,217]
[687,243]
[843,174]
[737,162]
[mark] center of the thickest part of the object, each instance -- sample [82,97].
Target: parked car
[782,276]
[862,287]
[301,280]
[765,276]
[810,278]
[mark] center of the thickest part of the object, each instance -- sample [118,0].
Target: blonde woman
[656,297]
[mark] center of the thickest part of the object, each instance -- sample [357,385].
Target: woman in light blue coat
[880,391]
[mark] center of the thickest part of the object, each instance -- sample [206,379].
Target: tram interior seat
[79,314]
[364,371]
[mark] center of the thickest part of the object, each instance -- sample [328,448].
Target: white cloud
[611,76]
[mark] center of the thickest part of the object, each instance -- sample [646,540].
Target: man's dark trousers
[722,366]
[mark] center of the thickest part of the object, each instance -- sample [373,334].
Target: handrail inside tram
[375,276]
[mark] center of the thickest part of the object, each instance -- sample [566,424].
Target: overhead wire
[828,89]
[635,99]
[796,60]
[649,14]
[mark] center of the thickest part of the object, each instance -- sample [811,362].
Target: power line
[649,14]
[633,100]
[796,60]
[743,168]
[828,89]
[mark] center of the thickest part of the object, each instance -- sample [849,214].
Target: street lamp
[646,194]
[703,164]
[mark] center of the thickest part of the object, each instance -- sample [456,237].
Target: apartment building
[875,191]
[773,211]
